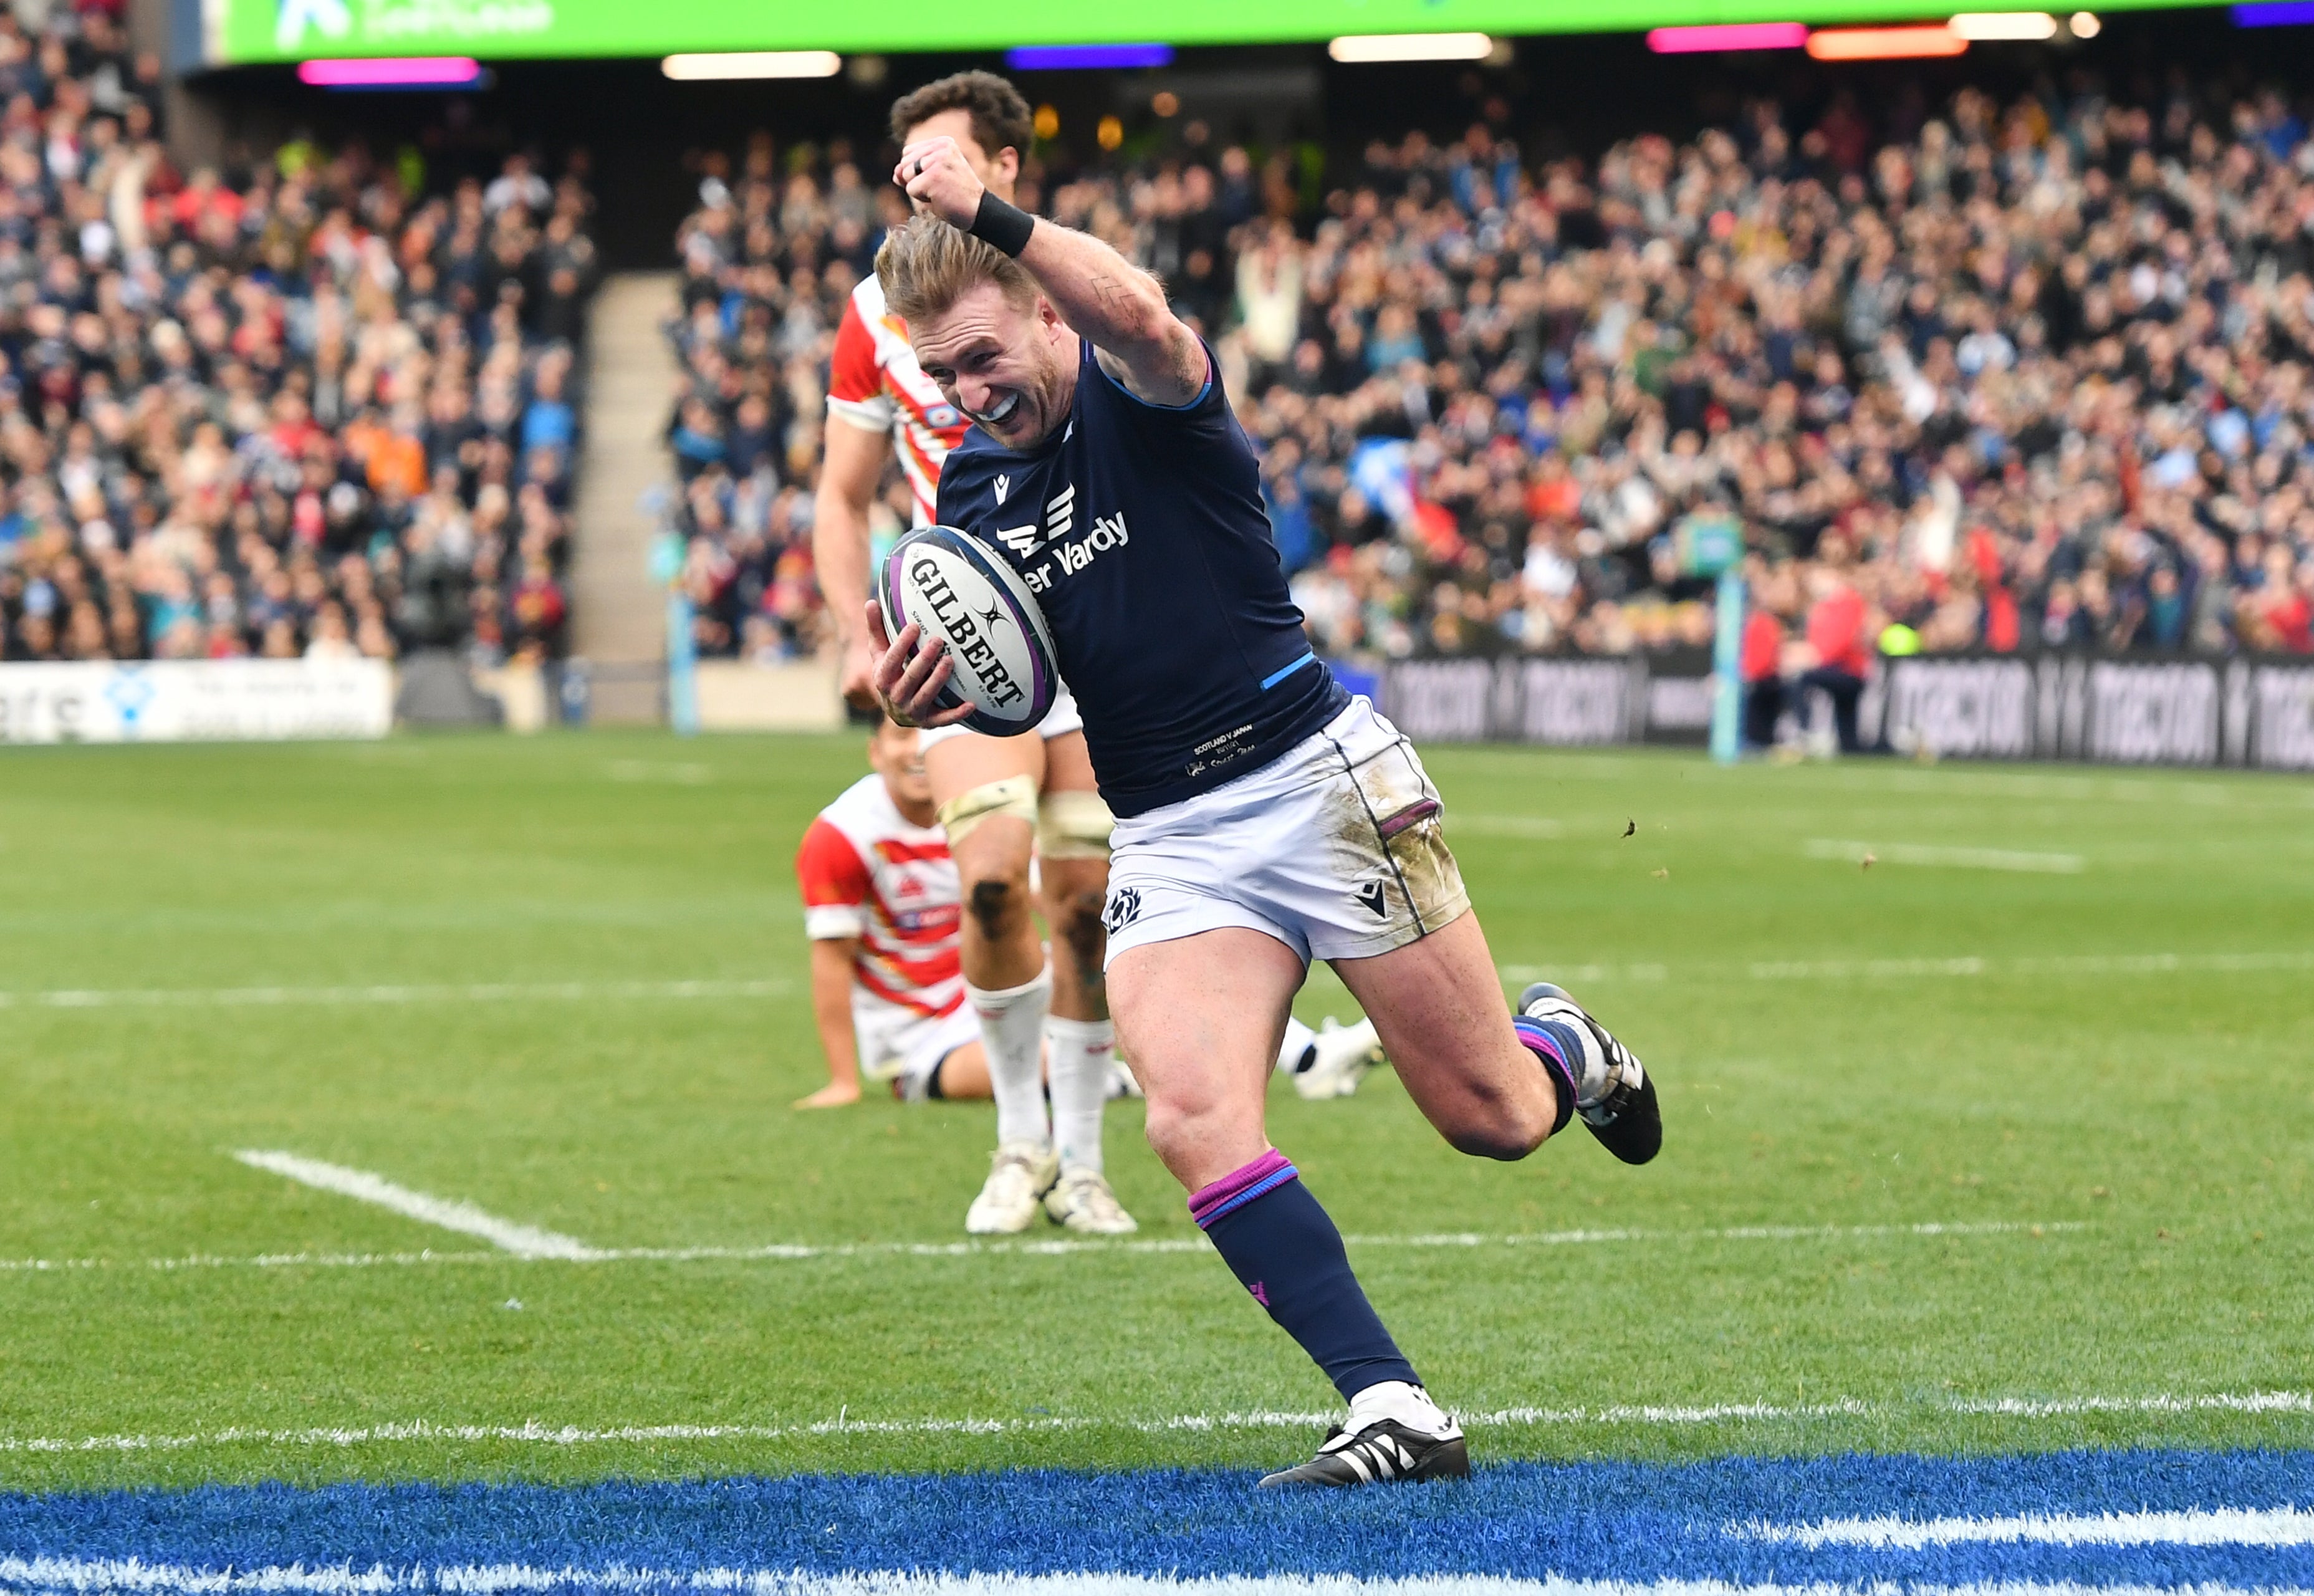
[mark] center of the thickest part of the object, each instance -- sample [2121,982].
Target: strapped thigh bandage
[1015,796]
[1073,824]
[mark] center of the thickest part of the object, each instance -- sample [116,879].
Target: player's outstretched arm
[831,1010]
[1114,305]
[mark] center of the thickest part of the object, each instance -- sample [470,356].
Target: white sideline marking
[639,770]
[580,991]
[1861,969]
[487,991]
[1532,827]
[2224,1526]
[1961,858]
[538,1434]
[525,1241]
[800,1251]
[106,1575]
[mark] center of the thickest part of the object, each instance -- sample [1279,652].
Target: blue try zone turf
[2084,1521]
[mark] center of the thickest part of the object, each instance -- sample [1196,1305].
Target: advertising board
[235,32]
[2128,709]
[186,701]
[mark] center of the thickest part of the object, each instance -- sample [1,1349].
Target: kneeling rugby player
[882,908]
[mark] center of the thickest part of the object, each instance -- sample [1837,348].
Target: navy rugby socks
[1560,1051]
[1283,1248]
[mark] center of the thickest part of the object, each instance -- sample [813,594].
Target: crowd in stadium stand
[768,260]
[2012,378]
[302,408]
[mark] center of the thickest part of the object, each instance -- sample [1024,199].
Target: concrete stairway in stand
[618,615]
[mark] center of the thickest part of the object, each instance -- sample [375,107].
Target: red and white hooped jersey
[874,382]
[867,872]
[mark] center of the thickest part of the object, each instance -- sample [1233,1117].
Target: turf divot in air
[2172,1520]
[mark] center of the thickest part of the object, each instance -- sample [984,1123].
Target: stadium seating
[2014,376]
[306,407]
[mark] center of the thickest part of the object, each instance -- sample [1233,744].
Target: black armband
[1005,225]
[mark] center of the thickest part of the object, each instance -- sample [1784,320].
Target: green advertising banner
[236,32]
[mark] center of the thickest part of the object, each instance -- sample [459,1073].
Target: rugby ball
[960,589]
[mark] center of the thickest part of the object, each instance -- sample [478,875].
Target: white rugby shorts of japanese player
[1059,721]
[900,1048]
[1336,849]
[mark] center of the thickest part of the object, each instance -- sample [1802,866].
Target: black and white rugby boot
[1612,1092]
[1384,1452]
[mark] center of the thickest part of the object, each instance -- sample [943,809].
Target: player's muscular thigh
[1072,842]
[986,788]
[1200,1016]
[1437,1004]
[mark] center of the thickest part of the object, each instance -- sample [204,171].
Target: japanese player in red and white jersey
[875,385]
[881,907]
[1000,800]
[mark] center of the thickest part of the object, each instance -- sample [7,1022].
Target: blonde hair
[925,266]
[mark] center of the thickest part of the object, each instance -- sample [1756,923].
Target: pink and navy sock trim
[1553,1051]
[1234,1190]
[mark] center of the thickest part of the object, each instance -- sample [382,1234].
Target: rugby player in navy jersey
[1265,817]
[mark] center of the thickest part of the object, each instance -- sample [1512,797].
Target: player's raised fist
[940,180]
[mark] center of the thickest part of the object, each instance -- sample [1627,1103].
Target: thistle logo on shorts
[1123,909]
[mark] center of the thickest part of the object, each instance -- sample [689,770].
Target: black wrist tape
[1007,227]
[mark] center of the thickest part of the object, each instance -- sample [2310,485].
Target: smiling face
[894,752]
[1010,367]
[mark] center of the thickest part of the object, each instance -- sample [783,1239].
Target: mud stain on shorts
[1386,825]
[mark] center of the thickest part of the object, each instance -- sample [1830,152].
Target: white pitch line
[2225,1526]
[535,1434]
[1958,859]
[525,1241]
[1528,827]
[91,1574]
[581,992]
[94,1575]
[486,991]
[797,1251]
[1964,965]
[681,775]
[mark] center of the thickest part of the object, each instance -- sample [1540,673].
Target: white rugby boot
[1081,1201]
[1395,1432]
[1344,1055]
[1021,1174]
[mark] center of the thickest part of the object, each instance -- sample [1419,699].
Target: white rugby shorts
[900,1048]
[1336,849]
[1059,721]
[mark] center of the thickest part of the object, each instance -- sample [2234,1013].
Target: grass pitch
[2069,1002]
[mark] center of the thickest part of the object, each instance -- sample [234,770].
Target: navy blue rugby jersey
[1141,529]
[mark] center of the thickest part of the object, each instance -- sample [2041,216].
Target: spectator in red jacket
[1760,663]
[1837,640]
